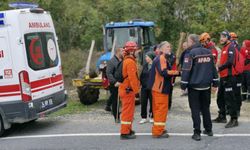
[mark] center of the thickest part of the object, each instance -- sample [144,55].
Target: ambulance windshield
[41,50]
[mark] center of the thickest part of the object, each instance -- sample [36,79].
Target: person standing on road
[128,90]
[114,84]
[160,82]
[226,99]
[146,94]
[239,76]
[198,74]
[245,51]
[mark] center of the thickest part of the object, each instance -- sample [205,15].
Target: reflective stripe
[159,123]
[200,89]
[228,89]
[125,122]
[238,84]
[244,93]
[184,82]
[216,79]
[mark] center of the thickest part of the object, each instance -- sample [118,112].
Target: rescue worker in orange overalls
[128,90]
[205,40]
[160,83]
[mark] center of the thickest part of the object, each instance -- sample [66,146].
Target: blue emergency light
[1,19]
[22,5]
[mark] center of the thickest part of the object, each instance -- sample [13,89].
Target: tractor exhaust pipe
[87,69]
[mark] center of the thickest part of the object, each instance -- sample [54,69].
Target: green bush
[73,61]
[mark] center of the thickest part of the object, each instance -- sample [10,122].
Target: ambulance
[31,80]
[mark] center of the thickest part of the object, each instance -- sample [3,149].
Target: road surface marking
[112,134]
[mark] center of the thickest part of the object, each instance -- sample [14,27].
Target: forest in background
[77,22]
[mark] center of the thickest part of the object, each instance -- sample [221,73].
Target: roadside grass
[74,105]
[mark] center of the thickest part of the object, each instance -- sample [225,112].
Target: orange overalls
[160,82]
[132,84]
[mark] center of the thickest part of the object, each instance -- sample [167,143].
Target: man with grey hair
[198,74]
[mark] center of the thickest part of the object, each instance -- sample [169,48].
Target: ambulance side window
[51,49]
[34,49]
[41,50]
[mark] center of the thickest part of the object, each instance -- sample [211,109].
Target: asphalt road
[96,130]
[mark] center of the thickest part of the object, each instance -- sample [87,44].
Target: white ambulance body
[31,80]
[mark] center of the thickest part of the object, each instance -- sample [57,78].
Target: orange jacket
[130,75]
[161,75]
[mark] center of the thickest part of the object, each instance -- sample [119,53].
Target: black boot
[107,108]
[163,135]
[208,133]
[232,123]
[132,132]
[127,136]
[220,119]
[196,136]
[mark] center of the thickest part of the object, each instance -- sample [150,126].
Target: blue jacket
[159,79]
[199,71]
[183,55]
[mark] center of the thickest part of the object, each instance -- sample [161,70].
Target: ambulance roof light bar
[22,5]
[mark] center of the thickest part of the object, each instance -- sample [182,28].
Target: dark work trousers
[114,98]
[146,95]
[170,97]
[246,86]
[199,102]
[109,101]
[226,99]
[238,91]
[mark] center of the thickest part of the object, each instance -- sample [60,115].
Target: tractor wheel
[1,126]
[88,95]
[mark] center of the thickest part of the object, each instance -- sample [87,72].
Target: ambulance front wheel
[88,95]
[1,126]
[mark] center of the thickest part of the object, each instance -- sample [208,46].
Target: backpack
[239,62]
[118,72]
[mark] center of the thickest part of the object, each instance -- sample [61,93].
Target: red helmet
[130,46]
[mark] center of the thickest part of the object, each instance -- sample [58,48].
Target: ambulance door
[53,57]
[9,86]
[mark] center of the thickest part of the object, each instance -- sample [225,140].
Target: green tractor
[115,34]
